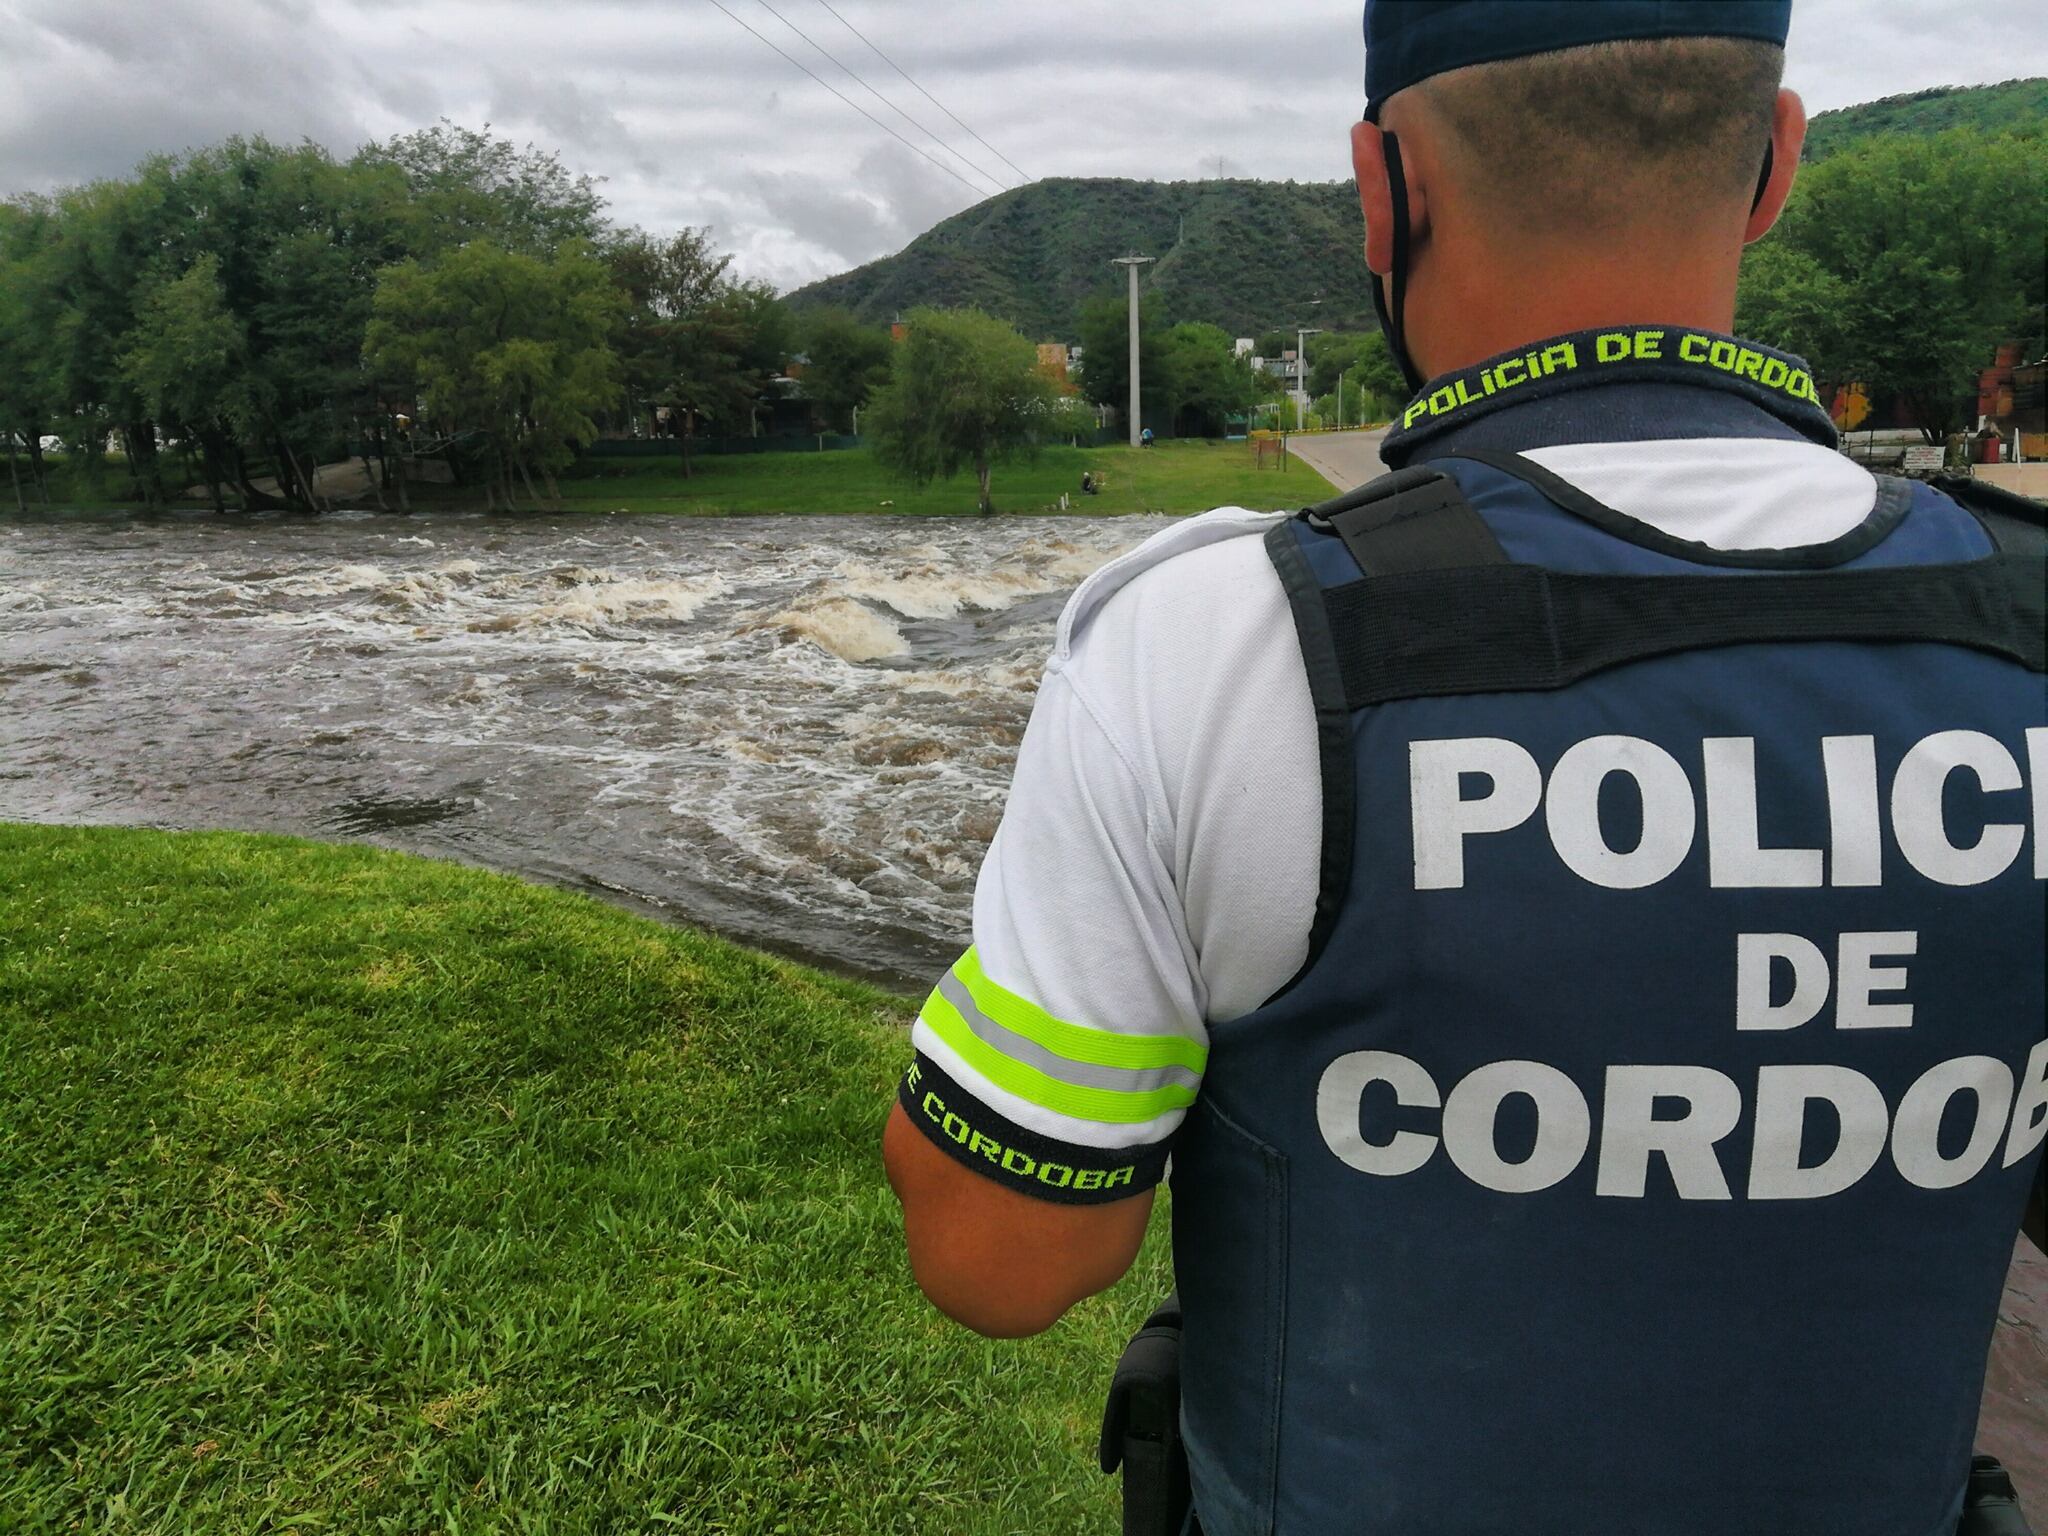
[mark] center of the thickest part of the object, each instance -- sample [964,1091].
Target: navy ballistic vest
[1642,1146]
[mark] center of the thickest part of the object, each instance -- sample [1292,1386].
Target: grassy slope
[344,1191]
[1172,477]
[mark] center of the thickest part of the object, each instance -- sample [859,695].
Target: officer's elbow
[992,1259]
[996,1306]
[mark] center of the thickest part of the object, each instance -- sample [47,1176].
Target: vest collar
[1620,384]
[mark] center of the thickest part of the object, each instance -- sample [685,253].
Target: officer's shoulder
[1198,560]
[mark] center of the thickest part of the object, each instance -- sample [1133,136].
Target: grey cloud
[692,121]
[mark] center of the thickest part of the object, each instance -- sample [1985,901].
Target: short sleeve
[1061,1053]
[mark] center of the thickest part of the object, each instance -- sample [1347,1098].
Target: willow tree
[511,347]
[965,392]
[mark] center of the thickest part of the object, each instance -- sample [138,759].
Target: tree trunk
[134,468]
[153,461]
[308,482]
[14,470]
[210,456]
[288,486]
[526,478]
[35,462]
[981,476]
[684,437]
[370,481]
[246,488]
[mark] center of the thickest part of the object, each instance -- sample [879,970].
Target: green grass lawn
[342,1191]
[1176,477]
[1180,477]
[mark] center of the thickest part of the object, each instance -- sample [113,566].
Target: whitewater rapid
[795,730]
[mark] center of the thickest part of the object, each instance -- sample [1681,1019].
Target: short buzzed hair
[1607,135]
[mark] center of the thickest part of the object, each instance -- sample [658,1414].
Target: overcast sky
[691,120]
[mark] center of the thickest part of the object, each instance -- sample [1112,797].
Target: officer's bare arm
[999,1262]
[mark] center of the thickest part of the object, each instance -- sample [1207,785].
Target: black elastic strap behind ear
[1390,293]
[1763,181]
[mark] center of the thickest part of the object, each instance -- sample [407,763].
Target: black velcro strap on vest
[1415,519]
[2017,524]
[1521,628]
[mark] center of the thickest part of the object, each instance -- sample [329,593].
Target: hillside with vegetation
[1249,256]
[2012,105]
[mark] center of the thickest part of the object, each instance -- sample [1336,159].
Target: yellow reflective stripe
[1076,1042]
[1107,1106]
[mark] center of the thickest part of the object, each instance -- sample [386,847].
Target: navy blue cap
[1410,40]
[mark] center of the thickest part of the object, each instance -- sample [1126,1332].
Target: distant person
[1571,909]
[1087,483]
[1145,438]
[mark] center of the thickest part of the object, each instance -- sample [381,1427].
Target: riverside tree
[846,362]
[462,184]
[1902,262]
[1189,374]
[1105,377]
[27,351]
[965,393]
[695,345]
[209,313]
[507,346]
[1205,381]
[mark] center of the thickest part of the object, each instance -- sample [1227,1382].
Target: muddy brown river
[794,730]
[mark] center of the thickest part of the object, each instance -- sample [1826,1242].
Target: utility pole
[1132,263]
[1301,374]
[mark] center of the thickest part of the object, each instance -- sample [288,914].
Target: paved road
[1344,459]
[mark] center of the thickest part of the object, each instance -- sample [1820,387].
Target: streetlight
[1132,263]
[1301,374]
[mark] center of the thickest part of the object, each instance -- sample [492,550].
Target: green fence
[669,448]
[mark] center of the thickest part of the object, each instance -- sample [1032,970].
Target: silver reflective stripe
[1081,1074]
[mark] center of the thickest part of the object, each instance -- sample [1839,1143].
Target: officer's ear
[1788,138]
[1376,197]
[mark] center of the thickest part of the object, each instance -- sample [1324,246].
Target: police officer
[1572,909]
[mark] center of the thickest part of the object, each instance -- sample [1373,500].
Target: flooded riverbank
[797,731]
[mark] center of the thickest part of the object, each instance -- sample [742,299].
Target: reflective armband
[976,1136]
[1068,1069]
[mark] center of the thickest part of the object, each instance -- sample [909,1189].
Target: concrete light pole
[1301,375]
[1132,263]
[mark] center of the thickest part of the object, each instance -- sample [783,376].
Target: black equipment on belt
[1141,1429]
[1991,1507]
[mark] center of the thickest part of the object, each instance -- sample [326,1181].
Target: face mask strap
[1389,294]
[1763,181]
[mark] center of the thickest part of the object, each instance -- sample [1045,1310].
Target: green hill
[1994,108]
[1250,256]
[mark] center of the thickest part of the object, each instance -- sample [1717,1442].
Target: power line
[994,180]
[863,111]
[927,95]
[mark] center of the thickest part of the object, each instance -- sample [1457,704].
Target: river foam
[797,730]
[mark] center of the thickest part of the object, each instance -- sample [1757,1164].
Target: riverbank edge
[337,1173]
[1174,479]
